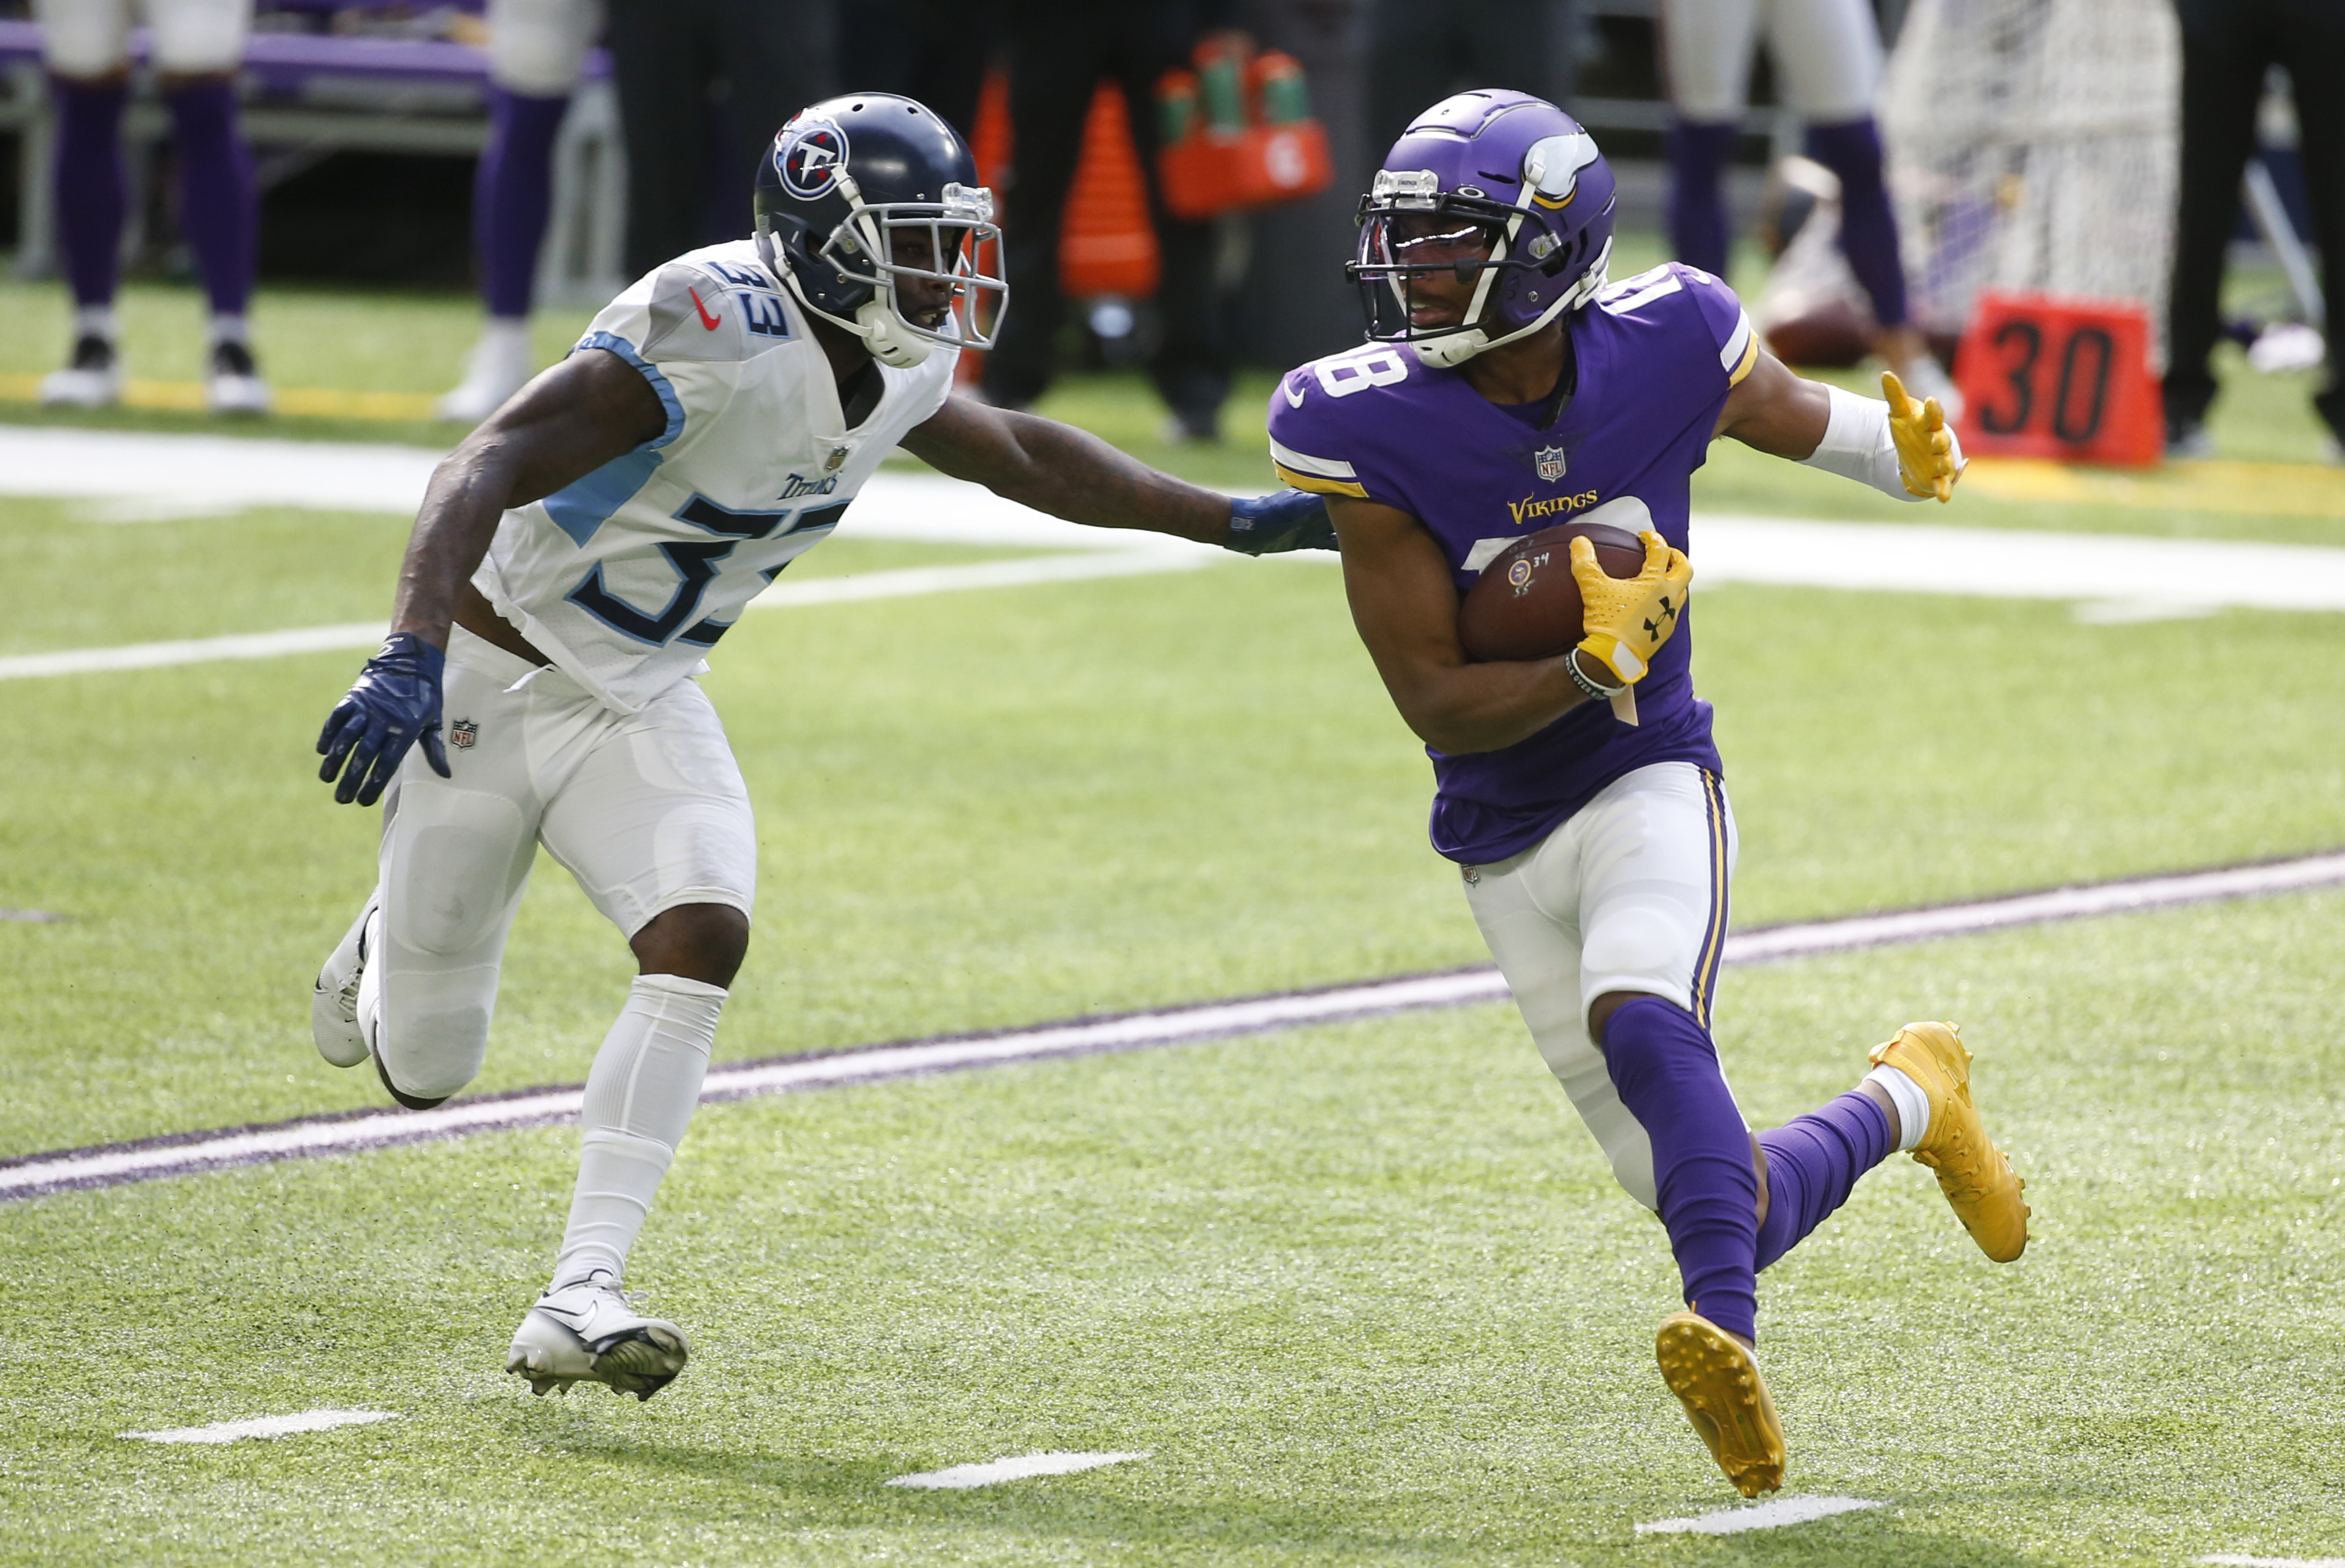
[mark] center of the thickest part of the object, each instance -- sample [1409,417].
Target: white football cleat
[334,1003]
[93,379]
[587,1333]
[233,383]
[498,369]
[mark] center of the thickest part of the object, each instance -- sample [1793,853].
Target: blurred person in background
[1827,60]
[1056,56]
[536,50]
[935,51]
[1422,53]
[197,46]
[701,85]
[2228,47]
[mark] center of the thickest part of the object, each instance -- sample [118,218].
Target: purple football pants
[218,198]
[513,194]
[1666,1070]
[1699,152]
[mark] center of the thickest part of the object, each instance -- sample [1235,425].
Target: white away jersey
[625,578]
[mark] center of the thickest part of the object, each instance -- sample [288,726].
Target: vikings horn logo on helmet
[810,155]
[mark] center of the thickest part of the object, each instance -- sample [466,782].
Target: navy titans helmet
[843,182]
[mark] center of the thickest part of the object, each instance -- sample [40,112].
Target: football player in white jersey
[574,559]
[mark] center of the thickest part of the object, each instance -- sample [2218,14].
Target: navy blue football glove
[394,703]
[1281,521]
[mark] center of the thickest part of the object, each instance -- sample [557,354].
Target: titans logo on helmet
[812,152]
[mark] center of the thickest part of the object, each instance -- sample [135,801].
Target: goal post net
[2032,146]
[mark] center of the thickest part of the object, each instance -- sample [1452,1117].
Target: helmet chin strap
[881,330]
[1451,350]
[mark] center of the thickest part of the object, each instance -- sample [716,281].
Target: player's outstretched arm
[1071,474]
[1903,447]
[569,421]
[1405,607]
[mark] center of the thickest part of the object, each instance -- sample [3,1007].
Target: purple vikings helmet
[1524,174]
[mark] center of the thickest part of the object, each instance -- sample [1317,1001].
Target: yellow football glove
[1926,447]
[1627,619]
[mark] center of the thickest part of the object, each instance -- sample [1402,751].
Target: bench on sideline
[308,96]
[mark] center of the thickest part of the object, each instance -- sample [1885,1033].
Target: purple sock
[1812,1163]
[89,185]
[218,203]
[513,192]
[1666,1070]
[1868,228]
[1698,154]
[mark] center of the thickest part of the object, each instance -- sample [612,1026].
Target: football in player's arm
[1508,386]
[574,560]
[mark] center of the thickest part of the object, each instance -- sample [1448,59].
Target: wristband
[1596,691]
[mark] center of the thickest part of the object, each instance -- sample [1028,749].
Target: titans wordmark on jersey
[1654,358]
[627,577]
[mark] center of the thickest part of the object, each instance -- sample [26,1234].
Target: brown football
[1527,604]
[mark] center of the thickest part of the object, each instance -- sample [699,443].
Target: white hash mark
[1770,1515]
[963,1476]
[266,1426]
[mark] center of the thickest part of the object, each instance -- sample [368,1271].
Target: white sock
[96,322]
[639,1099]
[232,330]
[1913,1104]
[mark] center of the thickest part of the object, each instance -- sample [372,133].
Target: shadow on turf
[1067,1508]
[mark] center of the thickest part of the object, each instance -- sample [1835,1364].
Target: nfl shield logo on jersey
[464,734]
[1550,463]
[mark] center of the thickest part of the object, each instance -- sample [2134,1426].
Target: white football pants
[539,47]
[1628,894]
[189,38]
[647,810]
[1826,54]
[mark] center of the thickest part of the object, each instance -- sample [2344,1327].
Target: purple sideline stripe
[350,1131]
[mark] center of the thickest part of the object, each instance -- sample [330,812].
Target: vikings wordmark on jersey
[1655,358]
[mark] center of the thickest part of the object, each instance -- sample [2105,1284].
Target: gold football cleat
[1975,1175]
[1718,1382]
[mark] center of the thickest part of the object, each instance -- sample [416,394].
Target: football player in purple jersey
[1504,388]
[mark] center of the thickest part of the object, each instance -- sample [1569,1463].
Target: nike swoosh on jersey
[1294,394]
[707,321]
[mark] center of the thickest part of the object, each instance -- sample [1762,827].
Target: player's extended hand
[1283,520]
[394,702]
[1627,619]
[1927,460]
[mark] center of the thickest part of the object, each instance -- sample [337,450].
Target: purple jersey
[1656,355]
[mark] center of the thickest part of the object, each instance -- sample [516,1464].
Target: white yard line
[2239,1560]
[907,582]
[962,1477]
[1771,1516]
[267,1427]
[351,1134]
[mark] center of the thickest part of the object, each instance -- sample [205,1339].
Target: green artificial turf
[1362,1293]
[1366,1293]
[993,808]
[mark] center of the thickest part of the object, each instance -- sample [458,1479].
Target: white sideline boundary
[186,1154]
[962,1477]
[1772,1514]
[266,1427]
